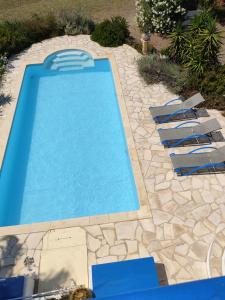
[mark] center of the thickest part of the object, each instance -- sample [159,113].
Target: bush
[197,47]
[211,85]
[16,36]
[157,70]
[158,15]
[111,33]
[3,62]
[207,4]
[72,23]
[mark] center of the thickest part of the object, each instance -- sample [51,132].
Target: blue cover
[11,287]
[124,277]
[209,289]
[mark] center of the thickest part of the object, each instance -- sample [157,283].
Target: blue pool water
[67,155]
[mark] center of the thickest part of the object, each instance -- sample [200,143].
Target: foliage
[16,36]
[212,85]
[159,15]
[72,23]
[111,33]
[207,4]
[198,46]
[155,70]
[3,62]
[81,293]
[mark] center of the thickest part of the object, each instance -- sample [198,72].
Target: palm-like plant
[200,22]
[210,42]
[179,41]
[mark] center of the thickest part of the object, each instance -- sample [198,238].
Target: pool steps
[71,60]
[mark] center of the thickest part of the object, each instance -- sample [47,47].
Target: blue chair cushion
[124,277]
[11,287]
[209,289]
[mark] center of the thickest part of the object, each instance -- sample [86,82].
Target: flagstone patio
[185,229]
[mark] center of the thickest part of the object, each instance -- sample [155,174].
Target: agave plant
[200,22]
[179,41]
[210,42]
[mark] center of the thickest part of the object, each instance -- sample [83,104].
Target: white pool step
[71,57]
[69,60]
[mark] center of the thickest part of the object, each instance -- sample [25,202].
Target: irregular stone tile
[143,252]
[132,247]
[162,186]
[168,231]
[215,218]
[93,244]
[208,196]
[107,259]
[126,230]
[165,196]
[154,246]
[201,212]
[148,237]
[118,250]
[160,217]
[182,249]
[159,233]
[200,229]
[103,251]
[197,183]
[139,233]
[147,225]
[94,230]
[198,251]
[110,236]
[176,186]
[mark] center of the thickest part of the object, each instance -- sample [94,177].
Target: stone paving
[186,229]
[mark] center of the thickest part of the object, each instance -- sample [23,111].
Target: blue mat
[11,287]
[210,289]
[124,277]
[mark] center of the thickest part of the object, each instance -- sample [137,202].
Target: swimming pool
[67,155]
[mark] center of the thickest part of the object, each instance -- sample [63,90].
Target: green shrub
[212,85]
[207,4]
[72,23]
[155,70]
[16,36]
[197,47]
[111,33]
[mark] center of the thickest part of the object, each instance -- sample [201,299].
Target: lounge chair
[202,133]
[176,112]
[196,162]
[118,278]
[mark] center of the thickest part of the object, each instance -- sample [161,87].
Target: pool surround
[144,210]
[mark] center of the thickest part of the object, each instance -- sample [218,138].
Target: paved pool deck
[183,223]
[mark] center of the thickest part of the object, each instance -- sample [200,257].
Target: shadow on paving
[161,271]
[10,250]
